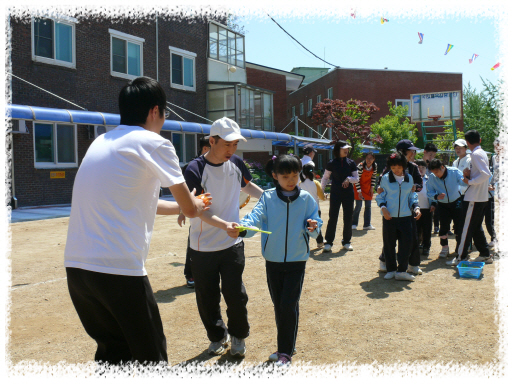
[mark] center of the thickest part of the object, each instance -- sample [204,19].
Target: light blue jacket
[399,199]
[286,217]
[449,184]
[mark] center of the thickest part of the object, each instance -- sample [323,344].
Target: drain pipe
[156,46]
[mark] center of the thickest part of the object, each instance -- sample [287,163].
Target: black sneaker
[190,283]
[436,230]
[426,251]
[450,233]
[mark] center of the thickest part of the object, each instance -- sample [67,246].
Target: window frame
[227,46]
[301,109]
[318,99]
[41,59]
[184,54]
[181,156]
[330,93]
[55,164]
[408,101]
[128,39]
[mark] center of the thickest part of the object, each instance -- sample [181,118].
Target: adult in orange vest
[363,190]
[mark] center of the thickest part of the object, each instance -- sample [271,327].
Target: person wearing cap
[217,252]
[475,201]
[407,148]
[309,155]
[343,172]
[204,147]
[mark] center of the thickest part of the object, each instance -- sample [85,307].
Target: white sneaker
[414,270]
[485,259]
[491,244]
[382,266]
[237,347]
[327,248]
[354,227]
[444,251]
[389,275]
[453,262]
[218,347]
[404,276]
[348,247]
[275,355]
[370,227]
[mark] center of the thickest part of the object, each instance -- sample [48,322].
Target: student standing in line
[291,214]
[408,150]
[489,209]
[429,152]
[397,201]
[475,200]
[309,155]
[427,206]
[363,190]
[108,238]
[204,145]
[309,184]
[343,172]
[217,253]
[444,187]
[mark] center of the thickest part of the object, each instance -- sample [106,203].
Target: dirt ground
[348,312]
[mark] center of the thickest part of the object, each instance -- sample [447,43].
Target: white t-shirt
[461,165]
[223,181]
[310,186]
[422,195]
[399,179]
[115,197]
[478,189]
[306,160]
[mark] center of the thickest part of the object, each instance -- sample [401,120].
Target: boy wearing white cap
[217,253]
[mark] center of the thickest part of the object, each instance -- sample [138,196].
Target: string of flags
[421,35]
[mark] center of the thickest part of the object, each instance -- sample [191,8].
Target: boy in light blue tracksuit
[444,187]
[397,201]
[291,214]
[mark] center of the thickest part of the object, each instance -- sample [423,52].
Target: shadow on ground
[378,288]
[169,295]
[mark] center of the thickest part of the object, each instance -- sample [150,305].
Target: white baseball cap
[460,143]
[226,129]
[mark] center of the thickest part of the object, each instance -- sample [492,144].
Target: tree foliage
[348,120]
[482,111]
[441,141]
[392,128]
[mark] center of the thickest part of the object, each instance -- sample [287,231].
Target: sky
[366,43]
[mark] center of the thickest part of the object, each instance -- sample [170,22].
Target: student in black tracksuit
[427,206]
[407,148]
[343,173]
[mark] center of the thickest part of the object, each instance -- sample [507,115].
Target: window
[125,55]
[329,94]
[53,41]
[403,103]
[301,109]
[221,102]
[320,161]
[183,69]
[255,109]
[226,46]
[293,111]
[319,99]
[185,145]
[310,105]
[55,146]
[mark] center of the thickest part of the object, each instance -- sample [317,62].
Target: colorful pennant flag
[473,58]
[450,46]
[383,20]
[496,66]
[421,38]
[353,14]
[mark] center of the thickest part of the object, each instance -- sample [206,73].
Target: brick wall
[91,86]
[376,86]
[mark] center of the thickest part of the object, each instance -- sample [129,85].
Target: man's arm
[190,206]
[167,208]
[483,171]
[216,221]
[253,190]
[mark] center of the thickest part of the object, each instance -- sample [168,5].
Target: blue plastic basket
[470,269]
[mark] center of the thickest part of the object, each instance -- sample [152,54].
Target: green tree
[482,111]
[392,128]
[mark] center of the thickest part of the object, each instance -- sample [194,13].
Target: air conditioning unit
[19,126]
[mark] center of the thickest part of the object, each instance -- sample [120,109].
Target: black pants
[424,227]
[319,238]
[436,218]
[473,215]
[401,229]
[414,255]
[223,267]
[447,213]
[188,269]
[337,201]
[489,218]
[121,314]
[285,286]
